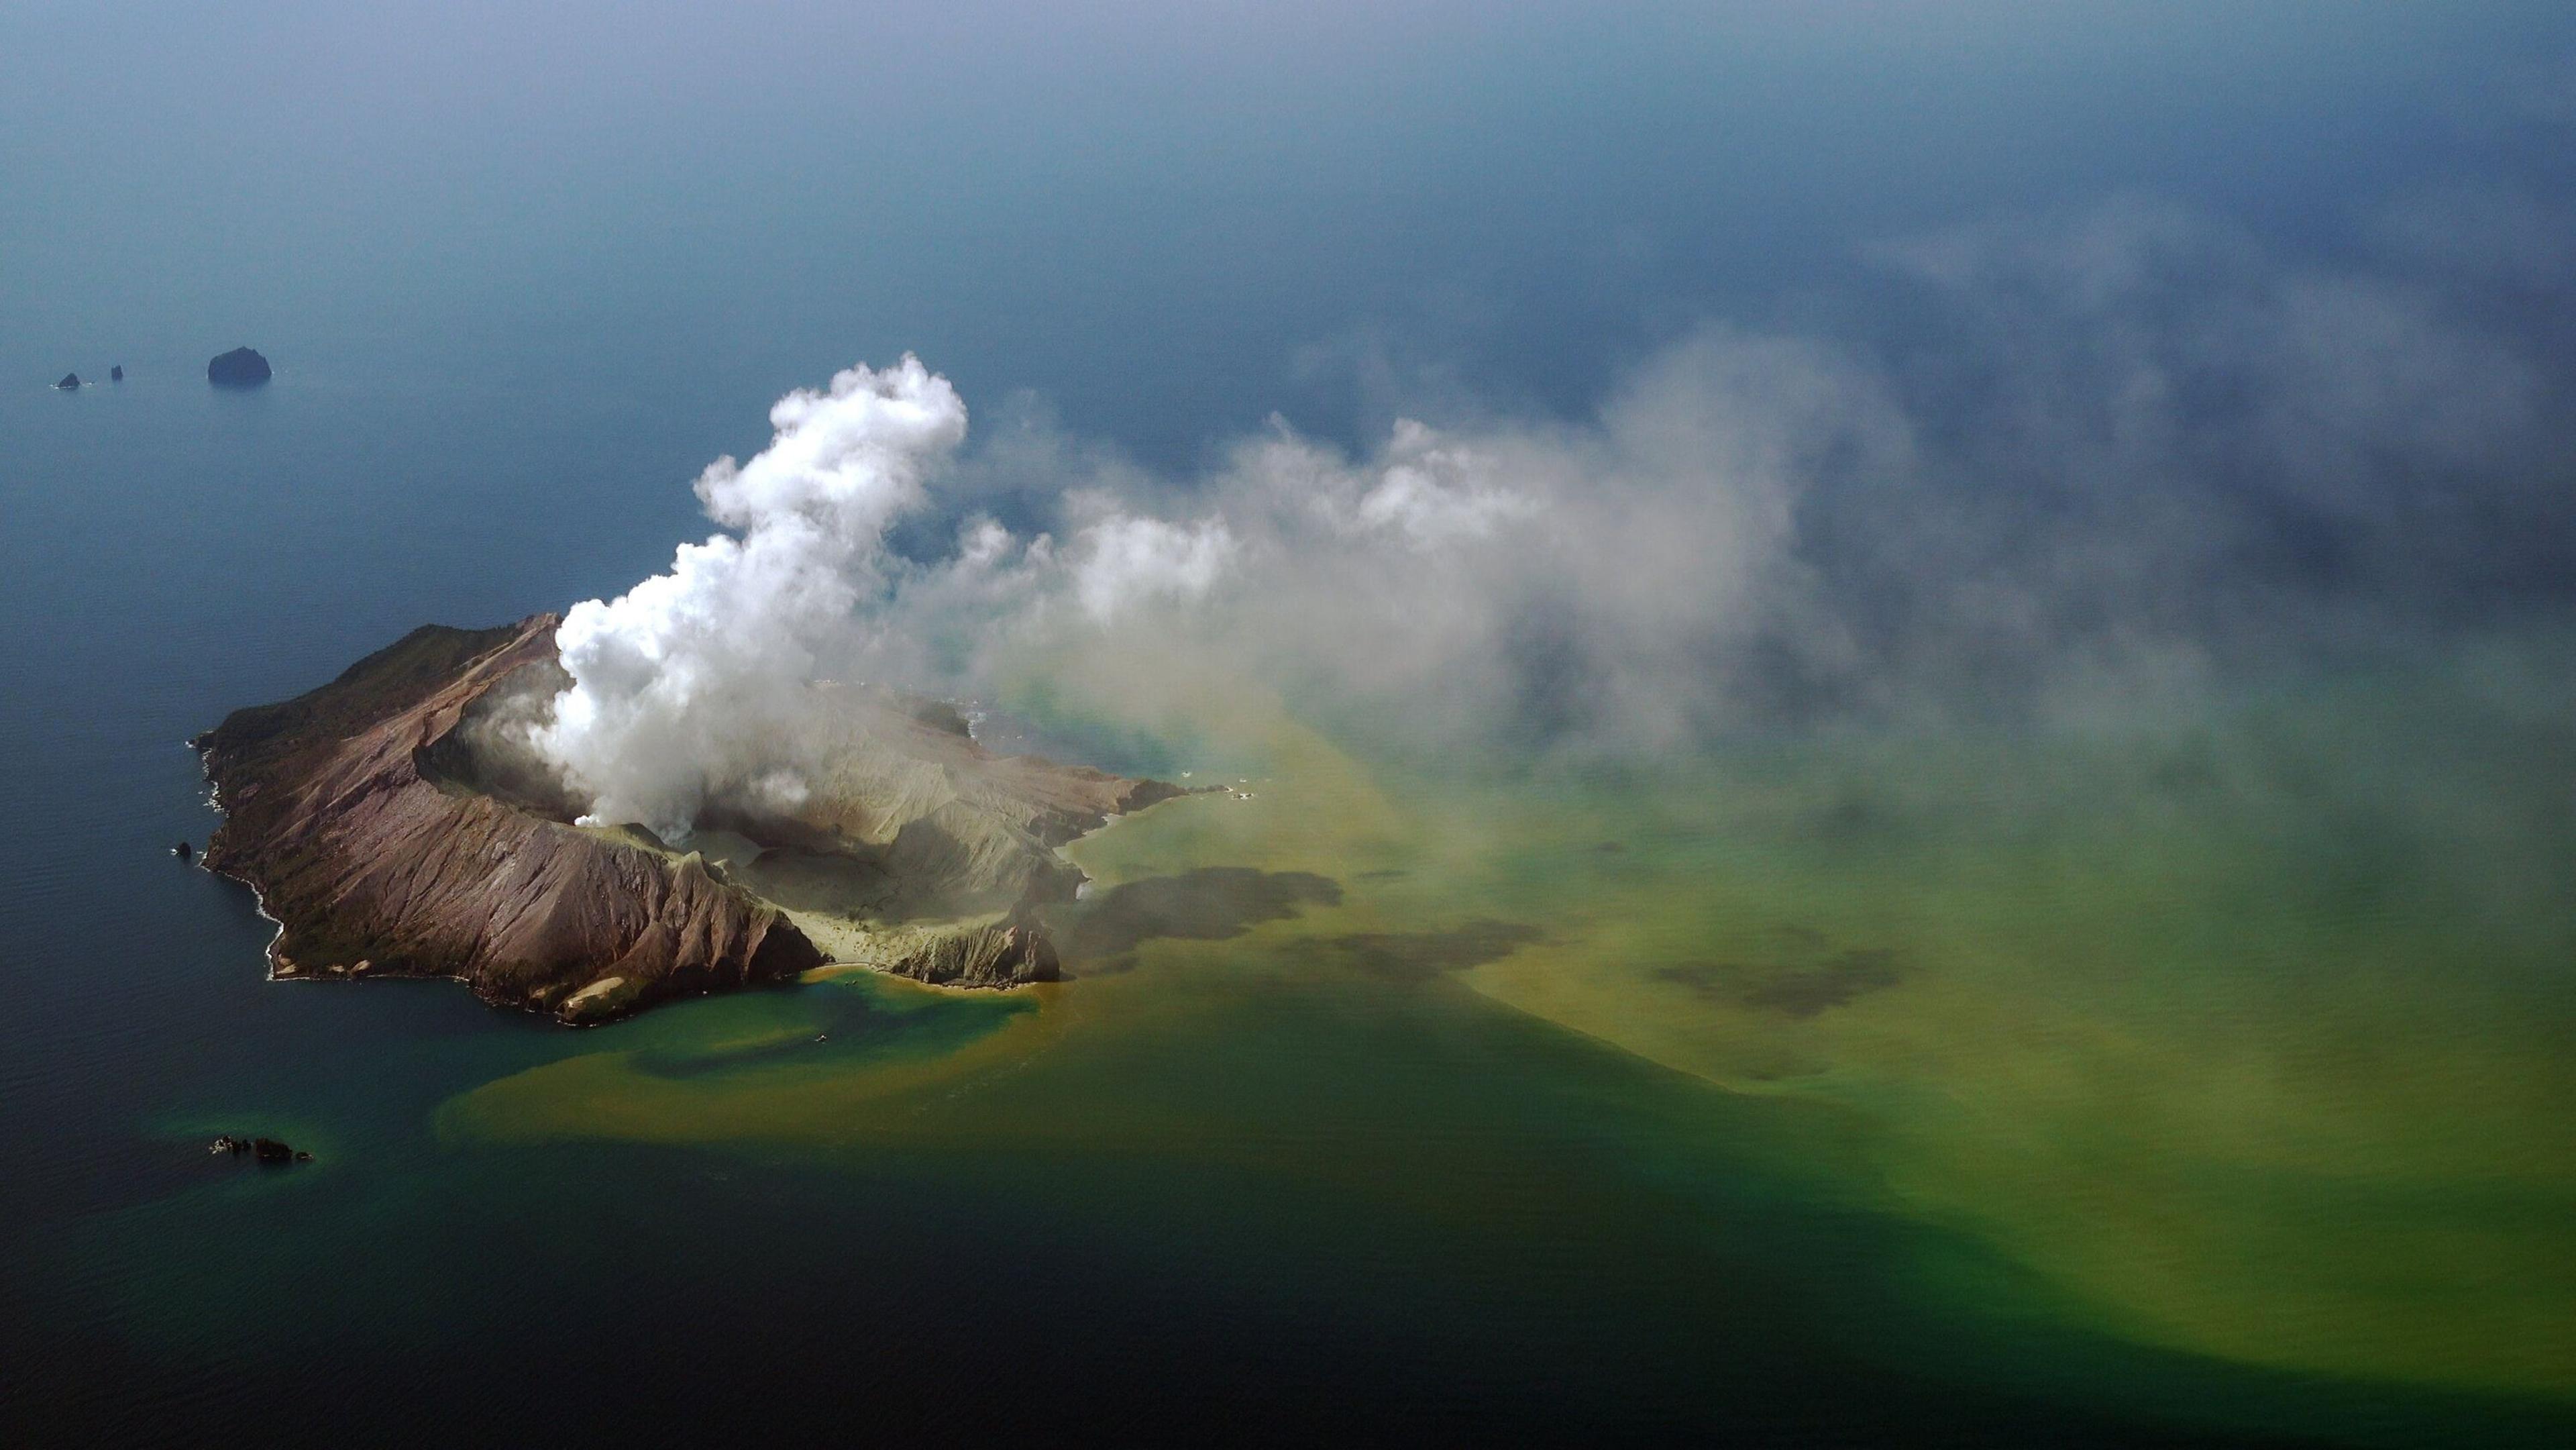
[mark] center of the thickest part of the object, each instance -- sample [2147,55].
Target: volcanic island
[392,829]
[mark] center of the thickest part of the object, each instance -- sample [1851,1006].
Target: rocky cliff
[390,830]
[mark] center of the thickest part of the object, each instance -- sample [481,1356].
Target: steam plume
[2131,448]
[686,682]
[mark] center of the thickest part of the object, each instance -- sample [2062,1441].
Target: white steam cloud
[681,684]
[1129,559]
[2130,443]
[696,683]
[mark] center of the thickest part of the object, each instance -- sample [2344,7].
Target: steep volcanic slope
[370,864]
[390,830]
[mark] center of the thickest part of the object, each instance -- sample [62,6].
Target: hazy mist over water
[1976,597]
[1169,220]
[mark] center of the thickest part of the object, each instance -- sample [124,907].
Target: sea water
[2196,1078]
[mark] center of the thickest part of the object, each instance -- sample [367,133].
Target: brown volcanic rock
[946,828]
[388,834]
[373,863]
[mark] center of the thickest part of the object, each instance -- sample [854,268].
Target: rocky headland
[392,826]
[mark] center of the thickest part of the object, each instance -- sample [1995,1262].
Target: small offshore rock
[69,382]
[240,368]
[116,374]
[267,1151]
[184,851]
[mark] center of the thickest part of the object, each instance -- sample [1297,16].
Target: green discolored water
[2108,1063]
[2196,1076]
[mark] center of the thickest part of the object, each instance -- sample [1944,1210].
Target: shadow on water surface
[1220,903]
[1210,903]
[1417,955]
[1792,988]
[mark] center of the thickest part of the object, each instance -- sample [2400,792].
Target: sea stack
[239,368]
[69,382]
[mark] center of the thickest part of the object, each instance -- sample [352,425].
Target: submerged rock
[239,368]
[69,382]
